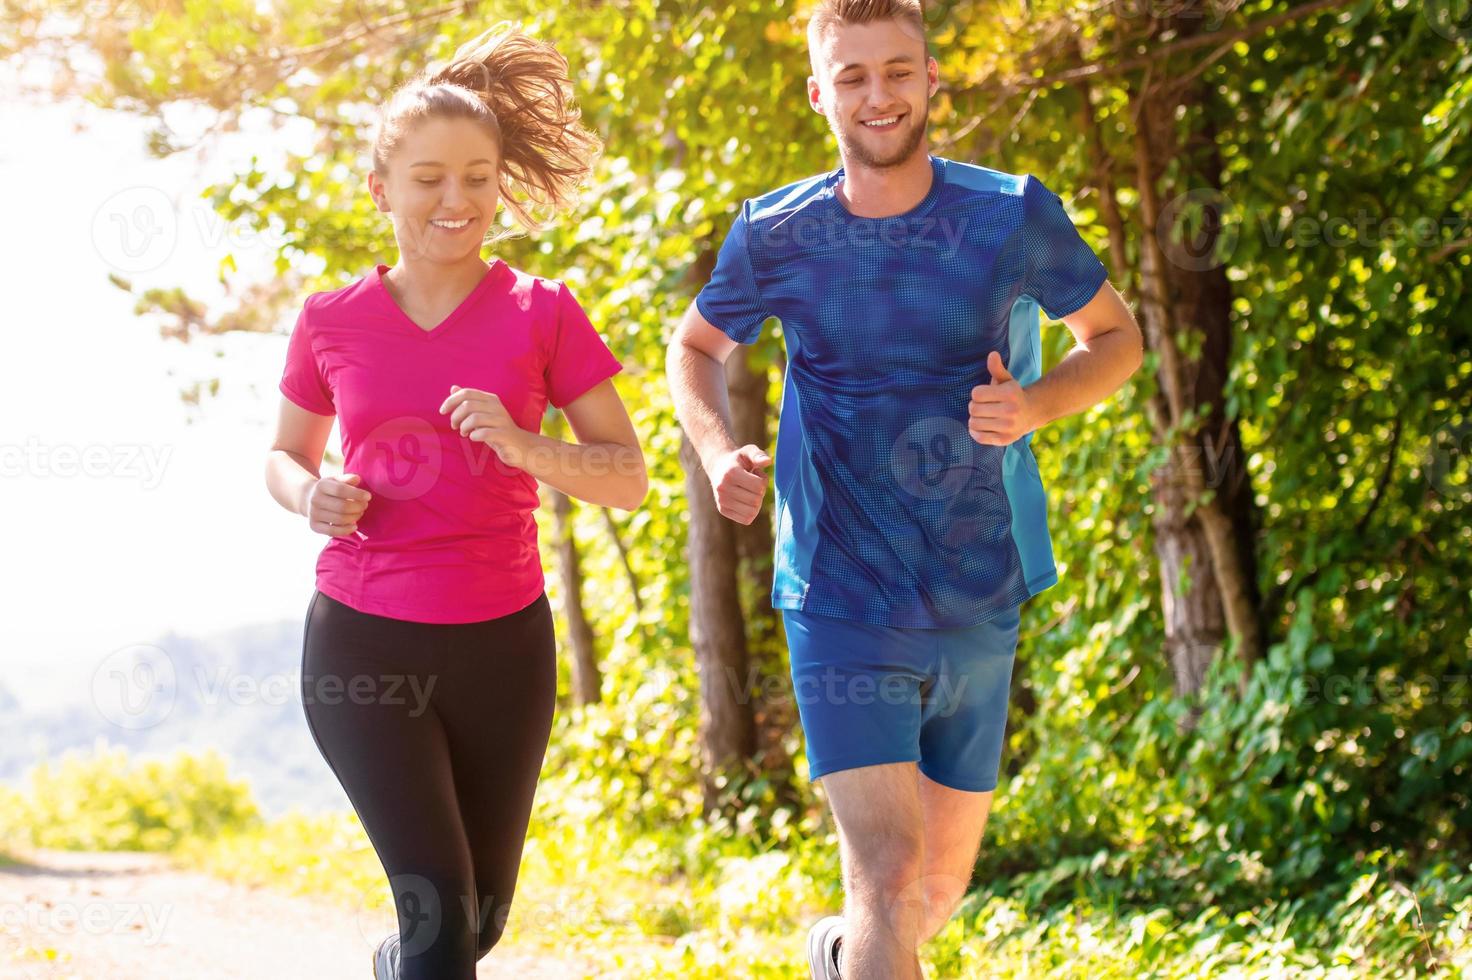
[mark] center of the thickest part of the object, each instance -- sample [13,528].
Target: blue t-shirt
[887,511]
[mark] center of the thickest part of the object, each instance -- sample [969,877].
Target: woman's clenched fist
[334,504]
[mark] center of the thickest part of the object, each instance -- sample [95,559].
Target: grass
[696,902]
[700,907]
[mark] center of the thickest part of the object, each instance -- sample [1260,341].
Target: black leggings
[437,733]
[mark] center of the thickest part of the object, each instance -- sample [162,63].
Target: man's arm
[695,365]
[1109,348]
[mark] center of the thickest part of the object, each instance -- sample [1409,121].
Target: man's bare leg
[954,821]
[881,835]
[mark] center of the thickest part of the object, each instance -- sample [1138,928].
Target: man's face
[873,82]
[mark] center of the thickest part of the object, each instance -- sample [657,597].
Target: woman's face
[440,189]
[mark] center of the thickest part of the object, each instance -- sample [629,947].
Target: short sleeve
[1063,273]
[578,358]
[730,301]
[302,380]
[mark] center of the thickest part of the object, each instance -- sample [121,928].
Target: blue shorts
[870,694]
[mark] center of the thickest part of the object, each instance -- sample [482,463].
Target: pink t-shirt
[450,535]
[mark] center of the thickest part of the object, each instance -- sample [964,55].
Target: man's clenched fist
[739,480]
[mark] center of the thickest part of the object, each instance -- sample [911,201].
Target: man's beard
[856,152]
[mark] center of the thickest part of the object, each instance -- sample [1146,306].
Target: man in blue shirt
[910,518]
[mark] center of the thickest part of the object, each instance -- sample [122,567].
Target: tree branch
[623,554]
[1100,70]
[365,29]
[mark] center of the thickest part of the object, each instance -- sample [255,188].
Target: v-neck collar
[494,271]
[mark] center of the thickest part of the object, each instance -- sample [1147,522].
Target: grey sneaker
[386,959]
[823,947]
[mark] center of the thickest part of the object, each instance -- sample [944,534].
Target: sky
[124,512]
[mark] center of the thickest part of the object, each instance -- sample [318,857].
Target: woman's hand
[480,417]
[334,504]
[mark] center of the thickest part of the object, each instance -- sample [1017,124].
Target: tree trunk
[718,635]
[747,385]
[587,681]
[1219,439]
[775,712]
[1203,513]
[717,624]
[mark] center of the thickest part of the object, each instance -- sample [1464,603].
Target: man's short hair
[831,13]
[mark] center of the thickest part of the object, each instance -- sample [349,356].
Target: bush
[107,801]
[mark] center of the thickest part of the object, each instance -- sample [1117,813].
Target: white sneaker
[822,948]
[386,959]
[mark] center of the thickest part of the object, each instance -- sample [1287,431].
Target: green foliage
[322,855]
[1317,824]
[696,901]
[107,801]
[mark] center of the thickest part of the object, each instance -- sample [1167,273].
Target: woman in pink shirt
[428,665]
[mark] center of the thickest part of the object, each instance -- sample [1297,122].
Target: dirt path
[126,916]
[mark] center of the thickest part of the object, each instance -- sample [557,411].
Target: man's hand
[1000,413]
[480,417]
[739,480]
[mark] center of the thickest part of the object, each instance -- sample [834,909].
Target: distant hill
[238,691]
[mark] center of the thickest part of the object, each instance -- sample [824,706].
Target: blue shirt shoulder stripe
[788,198]
[978,178]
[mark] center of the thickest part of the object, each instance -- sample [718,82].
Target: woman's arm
[331,505]
[292,465]
[605,466]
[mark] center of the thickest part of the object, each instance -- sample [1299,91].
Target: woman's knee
[435,927]
[490,926]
